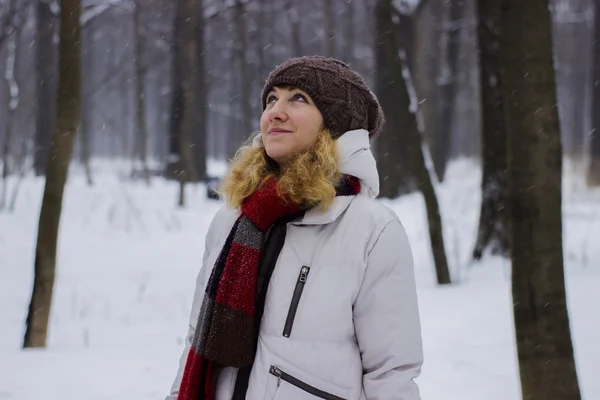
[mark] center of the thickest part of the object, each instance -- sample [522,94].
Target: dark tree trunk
[141,128]
[57,167]
[183,107]
[448,78]
[9,162]
[572,72]
[84,136]
[545,351]
[594,169]
[406,39]
[393,150]
[493,223]
[200,132]
[46,54]
[349,40]
[241,47]
[329,25]
[425,69]
[398,86]
[293,18]
[175,121]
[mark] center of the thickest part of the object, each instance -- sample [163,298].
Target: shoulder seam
[379,236]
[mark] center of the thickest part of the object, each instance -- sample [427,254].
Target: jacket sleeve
[196,305]
[386,319]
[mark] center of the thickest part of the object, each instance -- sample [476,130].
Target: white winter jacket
[348,272]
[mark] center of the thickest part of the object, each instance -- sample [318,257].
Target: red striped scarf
[225,333]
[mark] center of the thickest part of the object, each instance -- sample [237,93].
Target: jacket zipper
[289,322]
[282,376]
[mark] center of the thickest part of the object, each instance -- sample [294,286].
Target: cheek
[264,122]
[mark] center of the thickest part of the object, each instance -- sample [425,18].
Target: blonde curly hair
[309,179]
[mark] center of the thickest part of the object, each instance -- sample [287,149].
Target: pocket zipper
[289,322]
[282,376]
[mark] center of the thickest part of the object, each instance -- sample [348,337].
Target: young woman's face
[290,123]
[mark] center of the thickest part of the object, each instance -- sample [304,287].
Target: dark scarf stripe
[225,333]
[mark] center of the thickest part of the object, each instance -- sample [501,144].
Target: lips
[278,131]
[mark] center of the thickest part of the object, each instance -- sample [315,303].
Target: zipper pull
[275,371]
[303,274]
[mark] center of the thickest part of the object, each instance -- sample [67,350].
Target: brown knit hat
[339,92]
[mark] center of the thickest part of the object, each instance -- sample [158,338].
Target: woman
[307,287]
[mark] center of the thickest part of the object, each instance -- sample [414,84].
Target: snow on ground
[127,263]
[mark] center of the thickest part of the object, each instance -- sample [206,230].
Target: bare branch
[93,10]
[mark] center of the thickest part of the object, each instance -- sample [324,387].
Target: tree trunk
[594,171]
[46,54]
[593,178]
[183,112]
[393,150]
[139,97]
[13,102]
[425,69]
[86,154]
[294,21]
[493,222]
[413,139]
[406,39]
[329,25]
[543,337]
[61,148]
[573,67]
[350,42]
[189,59]
[448,86]
[201,96]
[186,53]
[241,48]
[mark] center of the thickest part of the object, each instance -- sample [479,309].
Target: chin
[278,158]
[277,154]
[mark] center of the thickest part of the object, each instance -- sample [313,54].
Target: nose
[277,112]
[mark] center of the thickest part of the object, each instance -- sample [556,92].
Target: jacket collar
[356,159]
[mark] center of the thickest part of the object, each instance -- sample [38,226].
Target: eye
[271,98]
[300,96]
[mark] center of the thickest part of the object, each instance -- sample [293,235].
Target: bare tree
[493,222]
[349,40]
[46,51]
[329,25]
[545,350]
[594,168]
[393,86]
[139,97]
[293,18]
[572,24]
[241,51]
[67,120]
[448,82]
[183,111]
[201,95]
[392,149]
[12,19]
[13,96]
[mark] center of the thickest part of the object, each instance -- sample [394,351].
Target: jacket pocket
[285,377]
[289,321]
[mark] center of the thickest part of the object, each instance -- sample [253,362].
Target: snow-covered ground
[127,263]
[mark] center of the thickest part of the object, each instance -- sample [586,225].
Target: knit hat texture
[339,92]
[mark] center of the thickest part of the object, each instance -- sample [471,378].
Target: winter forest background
[117,118]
